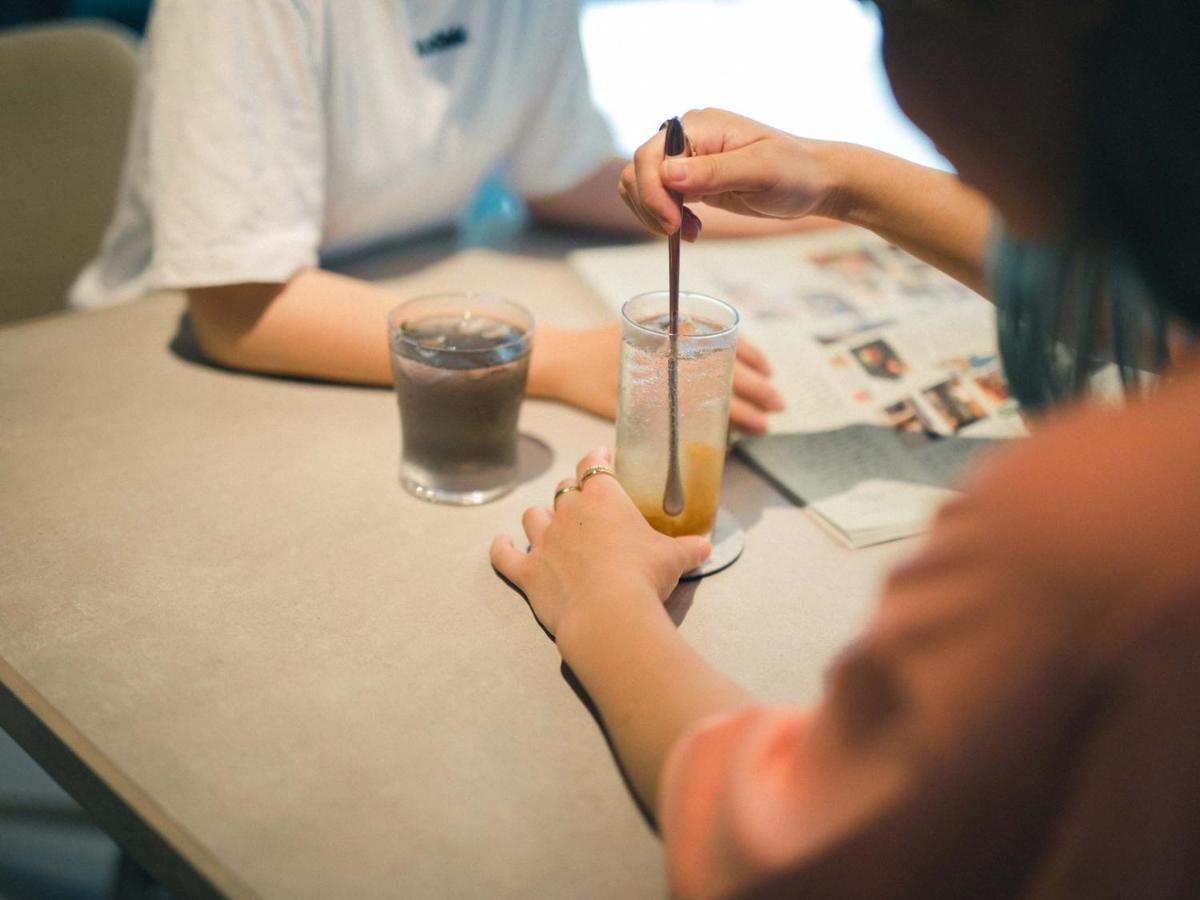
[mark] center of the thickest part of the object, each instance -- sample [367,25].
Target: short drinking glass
[705,352]
[460,362]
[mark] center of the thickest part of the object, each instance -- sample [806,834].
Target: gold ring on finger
[565,489]
[595,470]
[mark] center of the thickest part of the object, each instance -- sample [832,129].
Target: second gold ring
[566,488]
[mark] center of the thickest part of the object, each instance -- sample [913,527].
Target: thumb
[740,170]
[693,550]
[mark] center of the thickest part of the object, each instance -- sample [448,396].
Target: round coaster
[728,541]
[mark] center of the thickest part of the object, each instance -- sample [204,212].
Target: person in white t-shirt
[270,135]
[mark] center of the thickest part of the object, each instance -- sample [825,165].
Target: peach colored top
[1019,717]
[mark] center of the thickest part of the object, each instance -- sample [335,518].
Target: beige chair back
[66,95]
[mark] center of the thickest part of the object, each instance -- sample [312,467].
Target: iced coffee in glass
[460,362]
[704,355]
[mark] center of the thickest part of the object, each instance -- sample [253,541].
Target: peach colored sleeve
[962,631]
[721,779]
[740,802]
[982,646]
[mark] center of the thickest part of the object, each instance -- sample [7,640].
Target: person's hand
[582,367]
[737,164]
[592,552]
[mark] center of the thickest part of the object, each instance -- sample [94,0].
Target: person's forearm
[322,325]
[649,685]
[550,363]
[316,325]
[929,213]
[592,203]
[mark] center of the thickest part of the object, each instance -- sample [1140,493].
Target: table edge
[135,822]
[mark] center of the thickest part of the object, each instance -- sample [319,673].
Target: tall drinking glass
[705,352]
[460,361]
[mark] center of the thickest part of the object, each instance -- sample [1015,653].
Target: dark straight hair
[1105,291]
[1129,259]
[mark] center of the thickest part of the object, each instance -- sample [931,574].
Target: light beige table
[268,671]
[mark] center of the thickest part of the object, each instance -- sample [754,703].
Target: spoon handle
[673,499]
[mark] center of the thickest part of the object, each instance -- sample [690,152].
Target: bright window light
[810,67]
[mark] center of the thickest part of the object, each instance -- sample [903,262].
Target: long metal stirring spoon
[673,500]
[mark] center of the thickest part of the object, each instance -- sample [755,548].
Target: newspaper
[889,368]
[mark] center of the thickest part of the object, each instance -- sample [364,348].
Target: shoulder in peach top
[1018,716]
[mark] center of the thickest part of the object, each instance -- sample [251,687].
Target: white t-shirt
[269,132]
